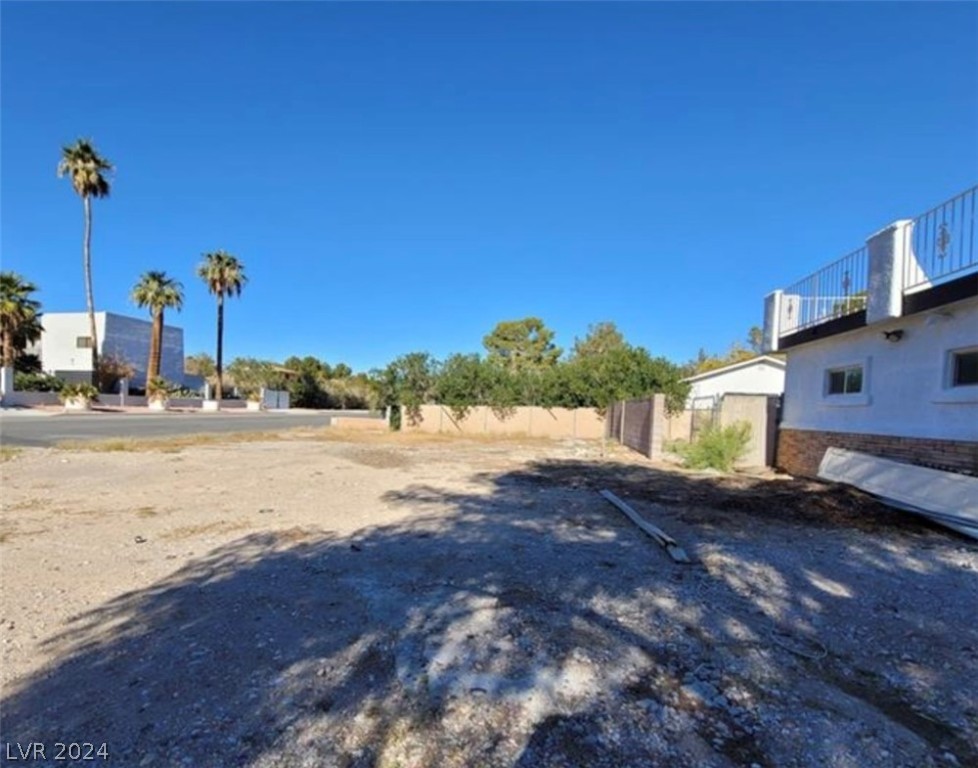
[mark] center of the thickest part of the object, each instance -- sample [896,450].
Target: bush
[715,448]
[80,390]
[159,388]
[37,382]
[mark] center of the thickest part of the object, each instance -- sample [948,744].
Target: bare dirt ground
[396,601]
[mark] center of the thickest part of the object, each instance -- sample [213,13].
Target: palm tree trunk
[8,344]
[155,341]
[220,347]
[89,296]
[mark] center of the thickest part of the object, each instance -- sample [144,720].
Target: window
[845,381]
[83,342]
[964,368]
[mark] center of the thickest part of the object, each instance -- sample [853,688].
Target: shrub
[79,390]
[37,382]
[715,448]
[159,388]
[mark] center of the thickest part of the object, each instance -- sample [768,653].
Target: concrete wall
[905,383]
[763,377]
[51,398]
[679,426]
[358,424]
[582,423]
[639,424]
[119,336]
[760,411]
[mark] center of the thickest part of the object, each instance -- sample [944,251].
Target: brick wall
[800,451]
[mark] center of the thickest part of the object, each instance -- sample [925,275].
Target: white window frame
[949,393]
[847,399]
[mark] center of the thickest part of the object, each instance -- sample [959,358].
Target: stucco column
[887,251]
[772,321]
[6,380]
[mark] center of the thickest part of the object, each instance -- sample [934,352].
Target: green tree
[408,381]
[601,338]
[87,170]
[755,339]
[224,276]
[158,292]
[19,316]
[520,345]
[200,364]
[250,375]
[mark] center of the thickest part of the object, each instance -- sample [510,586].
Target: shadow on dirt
[527,623]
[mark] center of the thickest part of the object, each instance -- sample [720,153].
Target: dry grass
[9,454]
[167,444]
[321,434]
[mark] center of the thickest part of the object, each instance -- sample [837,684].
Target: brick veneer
[800,451]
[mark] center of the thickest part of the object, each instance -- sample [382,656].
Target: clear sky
[400,177]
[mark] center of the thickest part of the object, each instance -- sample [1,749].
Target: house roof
[760,359]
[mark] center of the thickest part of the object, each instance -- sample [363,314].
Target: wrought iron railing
[941,243]
[836,290]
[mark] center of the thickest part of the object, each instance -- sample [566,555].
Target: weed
[715,447]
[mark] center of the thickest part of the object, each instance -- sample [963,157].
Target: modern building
[882,347]
[762,375]
[66,345]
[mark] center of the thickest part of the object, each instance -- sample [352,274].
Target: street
[27,429]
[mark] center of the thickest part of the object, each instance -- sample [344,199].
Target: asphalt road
[48,430]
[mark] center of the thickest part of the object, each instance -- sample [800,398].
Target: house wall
[906,410]
[129,338]
[121,336]
[762,378]
[59,350]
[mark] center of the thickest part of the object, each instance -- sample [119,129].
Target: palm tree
[224,276]
[158,292]
[86,167]
[18,315]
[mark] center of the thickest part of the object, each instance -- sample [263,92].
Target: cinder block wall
[579,423]
[800,451]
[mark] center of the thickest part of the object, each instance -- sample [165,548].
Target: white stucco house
[65,347]
[882,347]
[762,375]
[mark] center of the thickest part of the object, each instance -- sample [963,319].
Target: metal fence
[836,290]
[941,243]
[704,413]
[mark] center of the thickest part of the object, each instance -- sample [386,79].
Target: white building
[763,375]
[882,347]
[66,345]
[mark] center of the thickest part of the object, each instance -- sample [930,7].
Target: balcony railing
[941,243]
[836,290]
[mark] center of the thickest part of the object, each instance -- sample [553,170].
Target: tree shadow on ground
[525,622]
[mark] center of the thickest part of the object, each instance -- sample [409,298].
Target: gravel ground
[400,601]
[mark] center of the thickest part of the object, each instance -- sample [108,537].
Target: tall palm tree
[158,292]
[86,168]
[18,315]
[224,276]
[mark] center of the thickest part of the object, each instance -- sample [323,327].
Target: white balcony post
[772,321]
[887,257]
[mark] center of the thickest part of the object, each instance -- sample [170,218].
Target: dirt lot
[394,601]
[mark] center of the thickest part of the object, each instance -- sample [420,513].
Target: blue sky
[400,177]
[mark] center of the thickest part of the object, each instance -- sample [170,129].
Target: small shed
[761,375]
